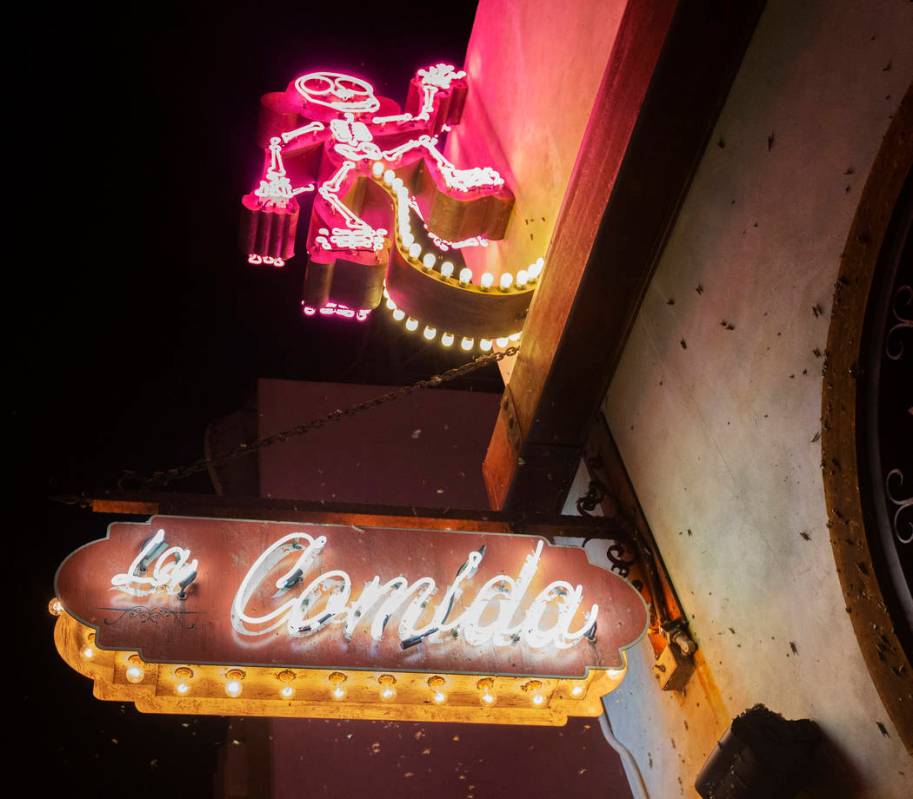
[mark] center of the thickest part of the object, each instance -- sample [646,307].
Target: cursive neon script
[494,616]
[172,573]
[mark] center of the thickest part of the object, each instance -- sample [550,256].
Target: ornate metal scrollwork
[903,504]
[893,348]
[150,615]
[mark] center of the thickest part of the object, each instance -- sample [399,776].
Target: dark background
[152,324]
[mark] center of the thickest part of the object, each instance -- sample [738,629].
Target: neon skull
[342,93]
[329,136]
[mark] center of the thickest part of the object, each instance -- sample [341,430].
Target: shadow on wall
[832,776]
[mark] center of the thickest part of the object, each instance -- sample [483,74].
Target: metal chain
[162,478]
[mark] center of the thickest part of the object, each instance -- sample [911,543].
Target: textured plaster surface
[716,404]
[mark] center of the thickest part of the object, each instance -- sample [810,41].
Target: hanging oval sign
[179,589]
[229,617]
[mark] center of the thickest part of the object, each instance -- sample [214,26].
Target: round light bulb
[286,692]
[397,185]
[465,276]
[389,176]
[447,339]
[429,333]
[501,342]
[440,697]
[515,337]
[467,343]
[411,324]
[577,690]
[446,269]
[88,652]
[338,693]
[387,693]
[134,674]
[415,250]
[488,698]
[182,688]
[428,260]
[487,280]
[377,169]
[538,699]
[407,237]
[233,688]
[522,277]
[485,344]
[391,305]
[399,315]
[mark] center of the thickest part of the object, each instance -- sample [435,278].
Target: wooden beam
[665,82]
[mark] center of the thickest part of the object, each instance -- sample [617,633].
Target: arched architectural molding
[871,574]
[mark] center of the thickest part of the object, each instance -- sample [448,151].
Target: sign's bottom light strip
[227,690]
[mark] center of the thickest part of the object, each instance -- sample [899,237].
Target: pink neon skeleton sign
[328,137]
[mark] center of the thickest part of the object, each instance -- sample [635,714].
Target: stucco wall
[716,404]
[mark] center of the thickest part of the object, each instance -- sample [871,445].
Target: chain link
[162,478]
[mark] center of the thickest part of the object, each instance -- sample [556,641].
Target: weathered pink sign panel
[262,593]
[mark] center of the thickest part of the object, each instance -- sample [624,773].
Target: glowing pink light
[337,309]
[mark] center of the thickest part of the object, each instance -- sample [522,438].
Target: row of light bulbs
[429,333]
[135,673]
[521,282]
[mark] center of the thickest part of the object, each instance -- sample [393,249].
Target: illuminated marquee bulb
[535,269]
[387,691]
[399,315]
[577,691]
[487,280]
[486,686]
[446,269]
[485,344]
[465,276]
[134,672]
[506,280]
[429,333]
[501,342]
[337,679]
[88,651]
[415,250]
[522,277]
[436,684]
[467,343]
[411,324]
[391,305]
[183,675]
[399,187]
[534,689]
[233,685]
[377,169]
[515,336]
[428,261]
[447,340]
[286,676]
[389,176]
[408,239]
